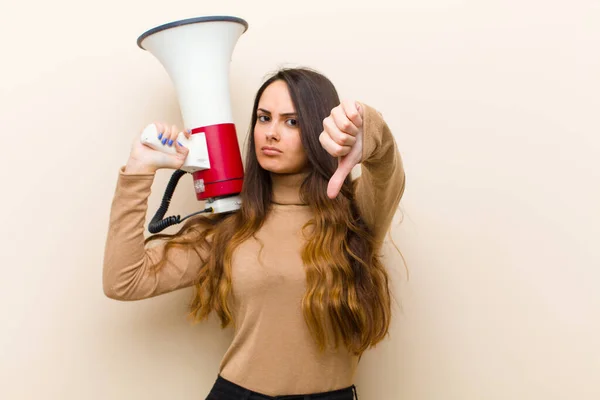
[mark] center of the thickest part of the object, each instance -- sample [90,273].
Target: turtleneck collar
[286,188]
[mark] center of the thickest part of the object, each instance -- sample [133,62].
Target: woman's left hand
[342,138]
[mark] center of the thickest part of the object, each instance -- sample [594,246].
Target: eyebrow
[290,114]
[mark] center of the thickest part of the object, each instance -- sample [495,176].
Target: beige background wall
[495,106]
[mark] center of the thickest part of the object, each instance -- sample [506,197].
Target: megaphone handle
[150,138]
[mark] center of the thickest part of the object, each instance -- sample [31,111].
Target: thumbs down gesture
[342,137]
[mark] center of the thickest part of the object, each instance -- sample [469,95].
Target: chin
[277,167]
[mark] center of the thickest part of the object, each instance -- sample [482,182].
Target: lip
[270,150]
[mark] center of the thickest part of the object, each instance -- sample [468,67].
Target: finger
[163,130]
[353,112]
[331,147]
[159,129]
[343,123]
[171,137]
[337,179]
[187,133]
[174,135]
[341,138]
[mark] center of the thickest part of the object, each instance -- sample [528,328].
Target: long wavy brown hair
[347,297]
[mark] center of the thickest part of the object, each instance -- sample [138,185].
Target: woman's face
[277,134]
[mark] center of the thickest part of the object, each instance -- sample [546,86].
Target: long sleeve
[381,185]
[128,271]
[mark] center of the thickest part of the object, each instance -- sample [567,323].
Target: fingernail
[160,136]
[189,131]
[179,143]
[171,142]
[164,141]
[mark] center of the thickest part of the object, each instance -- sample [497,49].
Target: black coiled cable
[158,223]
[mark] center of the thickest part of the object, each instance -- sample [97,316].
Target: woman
[296,270]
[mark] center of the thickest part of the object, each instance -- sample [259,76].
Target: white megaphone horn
[196,54]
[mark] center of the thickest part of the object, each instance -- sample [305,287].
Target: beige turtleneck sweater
[272,350]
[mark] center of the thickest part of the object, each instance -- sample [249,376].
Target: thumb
[339,176]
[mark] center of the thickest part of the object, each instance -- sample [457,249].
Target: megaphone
[196,54]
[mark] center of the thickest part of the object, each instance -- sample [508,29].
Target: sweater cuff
[134,184]
[122,173]
[373,126]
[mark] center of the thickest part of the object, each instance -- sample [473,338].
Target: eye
[292,122]
[263,118]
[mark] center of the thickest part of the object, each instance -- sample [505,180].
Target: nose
[272,134]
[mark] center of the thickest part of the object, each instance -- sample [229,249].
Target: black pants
[226,390]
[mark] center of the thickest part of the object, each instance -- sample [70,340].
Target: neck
[286,187]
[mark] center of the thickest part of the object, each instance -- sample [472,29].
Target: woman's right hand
[145,160]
